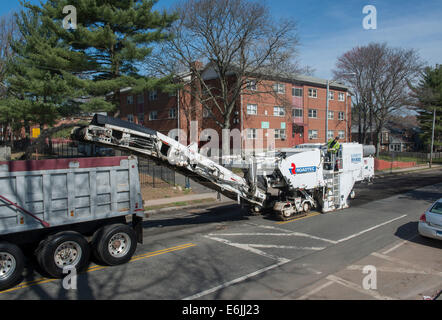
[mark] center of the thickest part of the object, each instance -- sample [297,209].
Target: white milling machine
[290,181]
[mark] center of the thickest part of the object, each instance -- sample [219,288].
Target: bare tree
[380,83]
[238,40]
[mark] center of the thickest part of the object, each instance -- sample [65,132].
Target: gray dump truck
[65,210]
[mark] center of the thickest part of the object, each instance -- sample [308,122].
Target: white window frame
[341,96]
[140,98]
[311,112]
[341,115]
[331,95]
[312,93]
[252,109]
[280,134]
[341,134]
[251,133]
[252,85]
[153,95]
[299,110]
[130,117]
[294,92]
[279,111]
[279,88]
[130,99]
[331,115]
[330,134]
[313,134]
[172,113]
[151,115]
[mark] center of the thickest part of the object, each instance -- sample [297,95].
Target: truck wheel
[12,263]
[114,244]
[62,250]
[306,207]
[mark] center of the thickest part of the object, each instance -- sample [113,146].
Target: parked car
[430,222]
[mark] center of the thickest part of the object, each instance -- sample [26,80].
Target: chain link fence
[417,157]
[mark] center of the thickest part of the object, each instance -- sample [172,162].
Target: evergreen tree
[111,40]
[428,94]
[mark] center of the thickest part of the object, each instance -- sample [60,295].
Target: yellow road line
[98,267]
[309,216]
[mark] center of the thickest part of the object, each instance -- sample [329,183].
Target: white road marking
[316,290]
[370,229]
[399,244]
[291,234]
[356,287]
[284,247]
[407,264]
[393,270]
[237,280]
[247,248]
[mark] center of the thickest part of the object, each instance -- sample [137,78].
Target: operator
[333,145]
[332,149]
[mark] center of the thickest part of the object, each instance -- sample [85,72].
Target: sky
[327,29]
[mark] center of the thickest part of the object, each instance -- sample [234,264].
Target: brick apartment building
[295,110]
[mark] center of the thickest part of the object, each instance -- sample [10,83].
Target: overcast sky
[327,28]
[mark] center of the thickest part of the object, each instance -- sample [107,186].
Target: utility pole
[326,111]
[432,137]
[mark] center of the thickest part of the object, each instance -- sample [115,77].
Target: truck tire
[12,263]
[63,249]
[114,244]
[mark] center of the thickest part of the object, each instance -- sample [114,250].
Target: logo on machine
[295,170]
[356,158]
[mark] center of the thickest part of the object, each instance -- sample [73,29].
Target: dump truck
[65,210]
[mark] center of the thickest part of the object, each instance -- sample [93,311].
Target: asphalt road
[220,252]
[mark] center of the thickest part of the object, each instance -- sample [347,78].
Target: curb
[382,175]
[215,202]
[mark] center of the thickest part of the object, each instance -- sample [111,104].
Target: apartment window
[297,113]
[341,96]
[153,115]
[341,134]
[140,98]
[341,115]
[280,134]
[130,117]
[312,113]
[172,113]
[251,85]
[252,109]
[330,134]
[312,93]
[279,88]
[331,95]
[331,115]
[153,95]
[130,99]
[251,133]
[297,92]
[141,118]
[206,113]
[278,111]
[313,134]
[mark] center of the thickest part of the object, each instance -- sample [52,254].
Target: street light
[327,105]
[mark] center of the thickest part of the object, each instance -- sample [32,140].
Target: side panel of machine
[303,170]
[68,191]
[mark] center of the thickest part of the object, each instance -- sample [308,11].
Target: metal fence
[418,157]
[151,174]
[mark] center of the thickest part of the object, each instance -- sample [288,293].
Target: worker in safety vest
[333,145]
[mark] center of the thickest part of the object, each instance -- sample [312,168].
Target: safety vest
[333,146]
